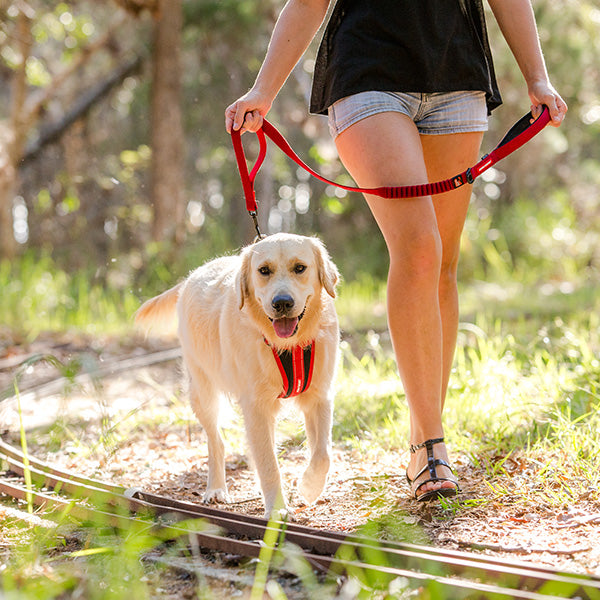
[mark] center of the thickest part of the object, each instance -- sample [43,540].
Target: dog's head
[284,275]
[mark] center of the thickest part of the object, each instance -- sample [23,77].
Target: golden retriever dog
[235,314]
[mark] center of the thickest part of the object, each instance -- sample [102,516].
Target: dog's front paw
[276,507]
[218,495]
[312,483]
[280,514]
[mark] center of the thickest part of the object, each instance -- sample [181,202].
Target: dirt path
[136,429]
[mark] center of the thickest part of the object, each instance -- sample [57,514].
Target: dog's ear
[242,279]
[328,272]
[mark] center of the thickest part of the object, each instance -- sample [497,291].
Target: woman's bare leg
[386,149]
[445,156]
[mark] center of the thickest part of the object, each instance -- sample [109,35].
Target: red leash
[520,133]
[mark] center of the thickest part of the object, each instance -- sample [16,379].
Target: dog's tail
[158,314]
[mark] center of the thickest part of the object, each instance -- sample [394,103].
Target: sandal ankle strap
[429,444]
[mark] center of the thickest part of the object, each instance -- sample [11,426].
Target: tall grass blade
[264,559]
[26,469]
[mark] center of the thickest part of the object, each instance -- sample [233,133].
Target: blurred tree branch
[51,133]
[34,104]
[25,109]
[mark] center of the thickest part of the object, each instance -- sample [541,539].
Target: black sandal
[431,465]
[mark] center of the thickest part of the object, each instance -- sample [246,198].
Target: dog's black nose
[282,303]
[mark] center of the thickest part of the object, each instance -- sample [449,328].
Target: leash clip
[254,216]
[470,178]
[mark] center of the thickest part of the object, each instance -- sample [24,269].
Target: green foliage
[507,385]
[105,563]
[525,383]
[538,209]
[362,305]
[370,405]
[523,392]
[57,31]
[39,297]
[531,244]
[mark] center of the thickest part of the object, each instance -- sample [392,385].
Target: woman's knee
[418,257]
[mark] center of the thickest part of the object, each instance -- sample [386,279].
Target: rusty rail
[462,574]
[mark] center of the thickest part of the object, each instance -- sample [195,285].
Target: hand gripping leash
[520,133]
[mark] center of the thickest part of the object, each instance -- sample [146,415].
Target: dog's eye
[299,268]
[266,271]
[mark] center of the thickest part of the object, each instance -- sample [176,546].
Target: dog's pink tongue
[285,327]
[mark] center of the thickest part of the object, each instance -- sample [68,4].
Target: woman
[408,87]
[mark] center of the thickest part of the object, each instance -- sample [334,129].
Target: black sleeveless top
[422,46]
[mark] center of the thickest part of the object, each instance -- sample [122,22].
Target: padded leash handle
[519,134]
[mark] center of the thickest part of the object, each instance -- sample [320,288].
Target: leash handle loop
[518,135]
[249,177]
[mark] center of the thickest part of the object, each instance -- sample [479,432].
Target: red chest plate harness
[295,367]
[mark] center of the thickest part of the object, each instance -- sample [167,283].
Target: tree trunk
[12,137]
[8,178]
[166,122]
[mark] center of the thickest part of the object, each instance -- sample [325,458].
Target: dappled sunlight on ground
[137,430]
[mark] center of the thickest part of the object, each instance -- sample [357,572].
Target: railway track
[457,574]
[462,574]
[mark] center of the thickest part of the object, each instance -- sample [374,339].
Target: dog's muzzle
[285,326]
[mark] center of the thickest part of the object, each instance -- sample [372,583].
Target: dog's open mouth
[286,327]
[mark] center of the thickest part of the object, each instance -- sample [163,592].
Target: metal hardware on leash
[254,216]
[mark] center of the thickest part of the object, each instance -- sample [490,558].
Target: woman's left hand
[543,92]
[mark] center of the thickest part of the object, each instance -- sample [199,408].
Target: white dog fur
[279,290]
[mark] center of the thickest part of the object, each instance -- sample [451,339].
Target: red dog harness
[296,368]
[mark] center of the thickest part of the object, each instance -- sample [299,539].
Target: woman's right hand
[246,113]
[296,26]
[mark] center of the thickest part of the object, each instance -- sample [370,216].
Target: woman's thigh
[446,156]
[377,134]
[385,149]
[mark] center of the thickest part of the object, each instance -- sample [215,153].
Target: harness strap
[296,368]
[520,133]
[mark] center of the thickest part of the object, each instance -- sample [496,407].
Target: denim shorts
[433,114]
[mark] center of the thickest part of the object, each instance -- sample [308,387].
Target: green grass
[38,297]
[524,396]
[504,389]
